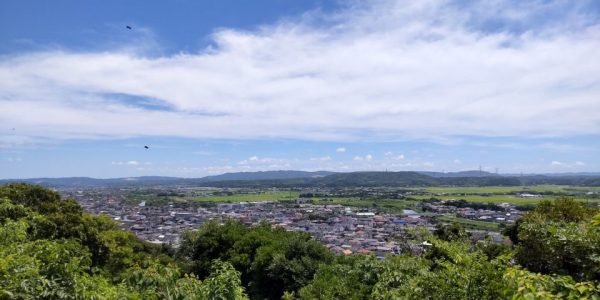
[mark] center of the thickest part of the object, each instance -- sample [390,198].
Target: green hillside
[51,249]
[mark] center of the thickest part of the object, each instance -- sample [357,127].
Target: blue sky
[225,86]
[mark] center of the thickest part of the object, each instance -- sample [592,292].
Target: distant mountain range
[267,175]
[329,179]
[460,174]
[158,180]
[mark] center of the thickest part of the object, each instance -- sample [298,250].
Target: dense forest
[51,249]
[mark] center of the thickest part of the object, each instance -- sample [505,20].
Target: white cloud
[324,158]
[256,161]
[390,156]
[410,69]
[569,165]
[367,158]
[457,161]
[428,164]
[340,150]
[127,163]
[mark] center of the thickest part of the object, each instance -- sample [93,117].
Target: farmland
[248,197]
[496,194]
[498,199]
[390,199]
[556,189]
[471,224]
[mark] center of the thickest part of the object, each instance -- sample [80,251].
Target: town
[343,229]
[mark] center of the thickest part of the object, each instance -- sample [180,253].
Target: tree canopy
[51,249]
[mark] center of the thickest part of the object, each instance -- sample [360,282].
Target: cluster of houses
[344,230]
[501,213]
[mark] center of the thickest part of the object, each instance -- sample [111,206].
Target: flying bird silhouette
[128,27]
[146,147]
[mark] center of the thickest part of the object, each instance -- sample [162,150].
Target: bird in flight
[146,147]
[128,27]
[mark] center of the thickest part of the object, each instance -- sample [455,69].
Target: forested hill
[326,179]
[372,179]
[461,174]
[51,249]
[266,175]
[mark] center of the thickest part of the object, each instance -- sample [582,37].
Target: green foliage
[157,281]
[50,249]
[286,264]
[213,241]
[562,248]
[512,231]
[48,268]
[463,273]
[450,232]
[492,250]
[559,237]
[9,211]
[271,260]
[524,285]
[450,270]
[596,221]
[563,209]
[350,277]
[453,269]
[223,283]
[399,277]
[35,197]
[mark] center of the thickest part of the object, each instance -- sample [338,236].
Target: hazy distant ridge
[150,180]
[473,173]
[327,179]
[267,175]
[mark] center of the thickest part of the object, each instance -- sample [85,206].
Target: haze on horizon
[433,85]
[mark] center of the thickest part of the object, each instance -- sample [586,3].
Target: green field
[510,189]
[500,194]
[250,197]
[472,224]
[498,199]
[491,194]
